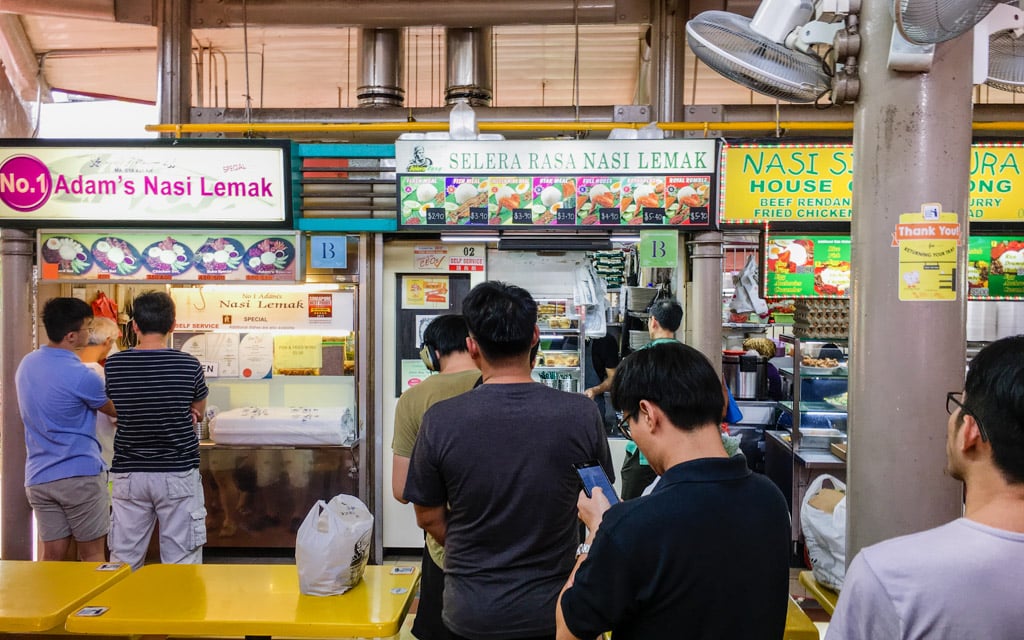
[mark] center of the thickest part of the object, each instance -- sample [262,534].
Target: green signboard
[659,248]
[805,266]
[995,267]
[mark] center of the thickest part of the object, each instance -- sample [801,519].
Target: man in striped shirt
[158,392]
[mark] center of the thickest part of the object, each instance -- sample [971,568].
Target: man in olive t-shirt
[444,351]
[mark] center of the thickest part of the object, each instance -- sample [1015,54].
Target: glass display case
[560,357]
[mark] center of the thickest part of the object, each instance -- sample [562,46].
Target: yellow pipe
[706,127]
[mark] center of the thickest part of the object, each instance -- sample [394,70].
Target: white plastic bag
[332,546]
[825,535]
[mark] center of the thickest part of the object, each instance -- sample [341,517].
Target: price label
[654,215]
[478,215]
[699,215]
[565,216]
[522,216]
[435,215]
[609,215]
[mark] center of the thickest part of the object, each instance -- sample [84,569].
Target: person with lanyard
[666,316]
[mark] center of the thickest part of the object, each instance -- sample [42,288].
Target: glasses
[953,401]
[623,426]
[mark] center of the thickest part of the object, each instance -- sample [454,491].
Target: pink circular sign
[25,183]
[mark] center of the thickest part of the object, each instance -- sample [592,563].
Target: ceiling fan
[776,52]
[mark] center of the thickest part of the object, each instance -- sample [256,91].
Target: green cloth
[409,416]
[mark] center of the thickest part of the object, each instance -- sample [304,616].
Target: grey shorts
[78,507]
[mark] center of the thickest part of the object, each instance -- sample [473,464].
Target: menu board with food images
[658,183]
[995,267]
[180,256]
[807,266]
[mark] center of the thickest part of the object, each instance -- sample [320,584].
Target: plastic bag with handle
[104,307]
[825,531]
[332,546]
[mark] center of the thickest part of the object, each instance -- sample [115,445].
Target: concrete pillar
[15,121]
[912,137]
[16,322]
[174,61]
[668,48]
[704,316]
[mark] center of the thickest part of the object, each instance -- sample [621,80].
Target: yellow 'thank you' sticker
[927,243]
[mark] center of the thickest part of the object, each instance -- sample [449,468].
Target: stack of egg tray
[822,318]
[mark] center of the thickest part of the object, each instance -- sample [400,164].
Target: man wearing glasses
[705,555]
[962,579]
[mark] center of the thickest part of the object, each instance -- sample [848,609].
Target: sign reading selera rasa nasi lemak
[145,182]
[481,184]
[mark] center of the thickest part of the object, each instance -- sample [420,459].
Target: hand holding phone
[592,474]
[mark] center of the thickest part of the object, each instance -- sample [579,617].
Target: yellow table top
[38,596]
[798,624]
[826,597]
[246,600]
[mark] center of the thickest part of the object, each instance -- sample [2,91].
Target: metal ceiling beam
[410,13]
[86,9]
[20,60]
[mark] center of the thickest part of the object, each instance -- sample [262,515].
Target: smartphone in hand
[592,474]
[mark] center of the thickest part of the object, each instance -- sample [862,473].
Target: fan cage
[1006,62]
[934,21]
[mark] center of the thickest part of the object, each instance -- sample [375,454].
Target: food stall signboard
[186,256]
[814,183]
[266,309]
[995,268]
[803,266]
[132,183]
[572,184]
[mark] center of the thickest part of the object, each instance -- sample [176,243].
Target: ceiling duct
[381,52]
[468,52]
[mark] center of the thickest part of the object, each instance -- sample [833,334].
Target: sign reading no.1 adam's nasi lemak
[570,183]
[133,183]
[814,183]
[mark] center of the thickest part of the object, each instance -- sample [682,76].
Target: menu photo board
[995,267]
[175,256]
[807,266]
[489,185]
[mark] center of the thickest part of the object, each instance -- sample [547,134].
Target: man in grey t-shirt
[491,477]
[960,580]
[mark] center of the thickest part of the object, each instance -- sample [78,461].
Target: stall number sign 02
[659,248]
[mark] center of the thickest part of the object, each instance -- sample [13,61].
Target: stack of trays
[638,339]
[640,298]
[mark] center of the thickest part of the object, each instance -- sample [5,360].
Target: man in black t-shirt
[491,477]
[705,555]
[602,356]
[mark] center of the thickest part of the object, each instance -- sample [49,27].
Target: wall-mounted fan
[996,25]
[774,53]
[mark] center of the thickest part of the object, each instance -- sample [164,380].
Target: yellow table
[798,625]
[826,597]
[246,600]
[38,596]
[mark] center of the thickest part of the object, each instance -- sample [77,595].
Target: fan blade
[1006,62]
[725,42]
[933,21]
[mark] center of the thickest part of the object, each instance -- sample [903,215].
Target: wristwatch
[582,549]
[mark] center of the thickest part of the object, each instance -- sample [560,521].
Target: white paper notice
[222,348]
[256,355]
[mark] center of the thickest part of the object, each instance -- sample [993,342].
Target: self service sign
[150,182]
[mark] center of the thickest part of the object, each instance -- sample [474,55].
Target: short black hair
[668,312]
[501,318]
[153,311]
[61,316]
[447,334]
[994,391]
[674,376]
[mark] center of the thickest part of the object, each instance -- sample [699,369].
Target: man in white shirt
[962,579]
